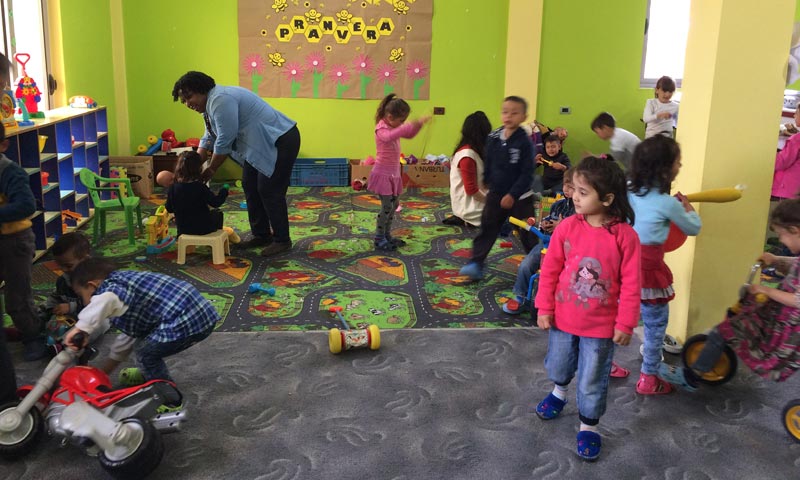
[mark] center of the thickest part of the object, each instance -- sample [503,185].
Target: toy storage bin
[320,172]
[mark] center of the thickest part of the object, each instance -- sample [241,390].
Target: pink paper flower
[253,64]
[339,73]
[362,63]
[293,71]
[315,62]
[387,73]
[417,69]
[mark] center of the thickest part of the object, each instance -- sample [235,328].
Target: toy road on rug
[333,263]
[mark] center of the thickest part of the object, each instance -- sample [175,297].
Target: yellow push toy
[348,338]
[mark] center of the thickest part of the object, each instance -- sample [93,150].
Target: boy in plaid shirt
[165,315]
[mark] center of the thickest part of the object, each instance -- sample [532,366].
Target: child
[763,335]
[68,251]
[555,162]
[530,264]
[164,314]
[17,248]
[508,173]
[467,192]
[656,163]
[660,112]
[384,179]
[189,198]
[623,142]
[589,295]
[786,177]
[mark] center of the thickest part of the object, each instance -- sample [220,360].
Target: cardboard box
[413,175]
[140,171]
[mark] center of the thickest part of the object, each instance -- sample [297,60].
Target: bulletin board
[336,48]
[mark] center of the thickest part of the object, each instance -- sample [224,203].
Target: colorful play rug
[333,263]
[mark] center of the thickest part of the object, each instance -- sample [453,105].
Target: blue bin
[320,172]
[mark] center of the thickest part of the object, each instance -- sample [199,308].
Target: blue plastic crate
[320,172]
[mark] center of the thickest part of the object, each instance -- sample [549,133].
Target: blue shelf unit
[72,139]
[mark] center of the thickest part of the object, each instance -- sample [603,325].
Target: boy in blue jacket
[508,173]
[17,247]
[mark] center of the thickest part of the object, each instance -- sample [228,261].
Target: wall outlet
[565,110]
[438,110]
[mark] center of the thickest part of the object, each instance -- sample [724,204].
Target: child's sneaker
[652,385]
[472,270]
[589,444]
[550,407]
[384,244]
[516,305]
[130,377]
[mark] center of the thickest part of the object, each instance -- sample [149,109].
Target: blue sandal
[676,376]
[550,407]
[589,445]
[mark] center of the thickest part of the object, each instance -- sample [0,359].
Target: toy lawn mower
[122,428]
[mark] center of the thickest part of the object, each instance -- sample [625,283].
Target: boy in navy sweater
[17,247]
[508,173]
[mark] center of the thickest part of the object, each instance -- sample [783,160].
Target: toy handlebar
[531,228]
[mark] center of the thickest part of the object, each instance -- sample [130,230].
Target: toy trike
[120,427]
[725,368]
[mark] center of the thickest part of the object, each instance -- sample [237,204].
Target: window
[665,33]
[24,32]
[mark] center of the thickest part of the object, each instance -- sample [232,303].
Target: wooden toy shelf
[73,139]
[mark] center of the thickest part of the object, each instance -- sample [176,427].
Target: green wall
[468,59]
[86,36]
[591,62]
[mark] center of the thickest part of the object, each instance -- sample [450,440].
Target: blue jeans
[655,318]
[591,358]
[150,355]
[527,267]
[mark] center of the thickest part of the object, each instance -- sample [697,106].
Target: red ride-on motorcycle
[121,427]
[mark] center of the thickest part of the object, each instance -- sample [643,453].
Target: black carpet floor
[435,404]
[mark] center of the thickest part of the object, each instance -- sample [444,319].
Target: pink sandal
[652,385]
[618,372]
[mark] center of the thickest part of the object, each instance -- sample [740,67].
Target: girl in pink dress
[385,179]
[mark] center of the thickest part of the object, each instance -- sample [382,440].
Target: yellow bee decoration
[276,59]
[400,7]
[344,16]
[396,54]
[279,5]
[313,16]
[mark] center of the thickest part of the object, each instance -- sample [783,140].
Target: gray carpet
[435,404]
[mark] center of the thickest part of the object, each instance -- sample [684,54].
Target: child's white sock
[591,428]
[560,392]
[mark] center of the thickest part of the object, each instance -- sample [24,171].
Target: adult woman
[262,140]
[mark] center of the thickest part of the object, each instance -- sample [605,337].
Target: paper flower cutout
[253,64]
[339,73]
[387,73]
[362,63]
[417,69]
[293,71]
[315,62]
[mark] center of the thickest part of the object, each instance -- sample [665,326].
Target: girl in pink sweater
[588,295]
[385,179]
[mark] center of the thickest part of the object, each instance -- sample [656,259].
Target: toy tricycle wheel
[144,456]
[791,419]
[335,340]
[24,438]
[724,369]
[374,337]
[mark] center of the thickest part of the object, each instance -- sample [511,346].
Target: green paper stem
[256,82]
[340,89]
[315,85]
[295,88]
[417,85]
[364,82]
[387,89]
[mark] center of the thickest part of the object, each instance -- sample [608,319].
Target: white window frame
[30,13]
[665,37]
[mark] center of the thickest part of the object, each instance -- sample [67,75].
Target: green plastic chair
[125,201]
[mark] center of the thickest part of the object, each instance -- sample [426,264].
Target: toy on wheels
[348,338]
[791,419]
[725,368]
[530,226]
[122,428]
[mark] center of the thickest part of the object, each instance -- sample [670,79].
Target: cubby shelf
[75,138]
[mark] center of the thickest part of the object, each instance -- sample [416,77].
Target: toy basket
[320,172]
